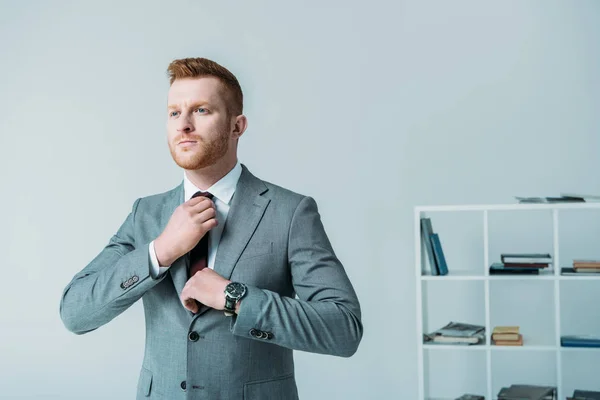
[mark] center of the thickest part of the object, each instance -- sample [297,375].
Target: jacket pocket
[281,388]
[255,250]
[144,383]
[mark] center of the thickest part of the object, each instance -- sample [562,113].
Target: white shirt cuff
[156,271]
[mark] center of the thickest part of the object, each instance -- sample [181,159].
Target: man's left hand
[207,287]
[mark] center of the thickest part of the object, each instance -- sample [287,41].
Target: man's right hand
[188,224]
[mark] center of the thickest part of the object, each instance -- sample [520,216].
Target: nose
[184,125]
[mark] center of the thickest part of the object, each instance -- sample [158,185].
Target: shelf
[492,347]
[473,237]
[523,348]
[470,276]
[440,398]
[464,275]
[460,347]
[509,207]
[582,348]
[580,370]
[533,368]
[443,398]
[542,276]
[446,369]
[579,278]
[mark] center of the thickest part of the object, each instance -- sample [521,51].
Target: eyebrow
[193,105]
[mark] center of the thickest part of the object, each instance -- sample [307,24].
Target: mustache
[185,138]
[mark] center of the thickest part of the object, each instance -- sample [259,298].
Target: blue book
[580,341]
[426,231]
[439,254]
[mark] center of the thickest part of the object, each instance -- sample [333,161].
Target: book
[438,253]
[460,329]
[580,341]
[586,264]
[586,395]
[505,333]
[580,271]
[457,333]
[441,339]
[426,232]
[510,342]
[588,198]
[526,265]
[527,392]
[499,269]
[522,258]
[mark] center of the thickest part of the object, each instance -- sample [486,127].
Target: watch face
[236,289]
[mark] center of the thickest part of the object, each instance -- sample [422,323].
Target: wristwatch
[233,294]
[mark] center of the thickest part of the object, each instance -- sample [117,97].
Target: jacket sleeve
[325,317]
[115,279]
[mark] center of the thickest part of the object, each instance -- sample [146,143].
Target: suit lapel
[246,211]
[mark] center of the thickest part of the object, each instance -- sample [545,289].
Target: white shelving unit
[488,351]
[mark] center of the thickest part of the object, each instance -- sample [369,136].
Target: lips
[187,142]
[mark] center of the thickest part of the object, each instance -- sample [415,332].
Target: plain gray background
[370,107]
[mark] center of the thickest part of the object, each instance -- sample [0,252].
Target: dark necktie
[199,254]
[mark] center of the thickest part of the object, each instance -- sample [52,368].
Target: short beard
[206,155]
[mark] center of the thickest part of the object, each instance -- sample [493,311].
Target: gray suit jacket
[299,298]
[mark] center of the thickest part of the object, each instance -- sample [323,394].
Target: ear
[240,123]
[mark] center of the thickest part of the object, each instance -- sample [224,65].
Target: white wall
[370,107]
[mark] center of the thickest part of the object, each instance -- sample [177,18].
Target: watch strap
[229,304]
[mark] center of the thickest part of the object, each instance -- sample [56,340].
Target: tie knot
[204,194]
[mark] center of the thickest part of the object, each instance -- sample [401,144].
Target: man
[235,273]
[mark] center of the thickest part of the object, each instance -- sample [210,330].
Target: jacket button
[253,332]
[183,385]
[193,336]
[269,335]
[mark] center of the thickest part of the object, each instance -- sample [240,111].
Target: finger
[206,226]
[202,204]
[187,300]
[191,305]
[205,215]
[195,200]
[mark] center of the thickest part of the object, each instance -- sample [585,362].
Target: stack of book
[583,267]
[527,392]
[507,336]
[549,199]
[521,263]
[562,198]
[457,333]
[470,397]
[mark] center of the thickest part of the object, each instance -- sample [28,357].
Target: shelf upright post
[486,263]
[556,265]
[419,283]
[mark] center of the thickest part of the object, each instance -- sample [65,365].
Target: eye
[173,113]
[201,110]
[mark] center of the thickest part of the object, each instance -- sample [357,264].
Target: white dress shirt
[222,192]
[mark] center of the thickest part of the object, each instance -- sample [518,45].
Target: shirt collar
[223,189]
